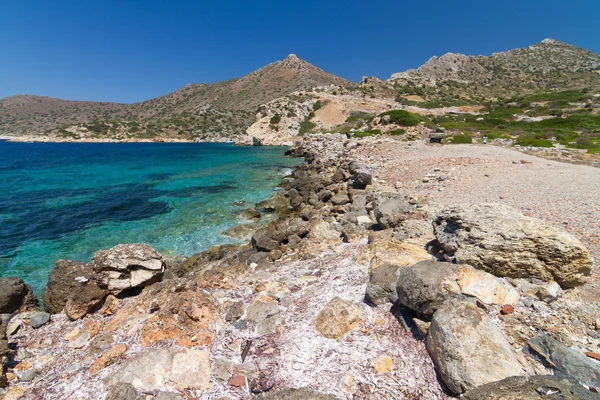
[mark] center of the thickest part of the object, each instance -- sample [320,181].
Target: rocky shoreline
[355,290]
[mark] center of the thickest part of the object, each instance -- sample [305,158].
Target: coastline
[274,290]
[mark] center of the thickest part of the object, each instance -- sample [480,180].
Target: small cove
[69,200]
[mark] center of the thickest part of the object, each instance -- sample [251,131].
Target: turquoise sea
[64,200]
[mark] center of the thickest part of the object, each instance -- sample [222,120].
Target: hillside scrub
[402,117]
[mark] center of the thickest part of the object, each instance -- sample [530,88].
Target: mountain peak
[292,57]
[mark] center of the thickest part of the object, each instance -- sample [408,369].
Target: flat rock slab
[565,360]
[159,367]
[532,388]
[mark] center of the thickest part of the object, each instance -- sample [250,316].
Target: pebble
[80,340]
[507,309]
[238,381]
[540,306]
[12,328]
[29,375]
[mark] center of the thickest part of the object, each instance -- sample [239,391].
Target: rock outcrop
[16,296]
[64,281]
[127,266]
[468,349]
[500,240]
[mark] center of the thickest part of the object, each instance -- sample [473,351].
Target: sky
[129,51]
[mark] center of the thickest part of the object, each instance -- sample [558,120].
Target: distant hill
[205,111]
[547,65]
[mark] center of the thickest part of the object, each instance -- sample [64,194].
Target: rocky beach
[390,270]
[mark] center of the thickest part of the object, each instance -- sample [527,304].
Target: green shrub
[371,132]
[402,117]
[357,116]
[311,115]
[306,126]
[528,140]
[398,132]
[275,119]
[317,105]
[461,139]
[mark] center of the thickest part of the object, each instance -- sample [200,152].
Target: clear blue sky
[129,51]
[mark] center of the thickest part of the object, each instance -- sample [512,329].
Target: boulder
[500,240]
[391,210]
[564,360]
[531,388]
[16,296]
[382,284]
[262,239]
[83,300]
[428,285]
[64,280]
[362,177]
[128,266]
[337,318]
[467,349]
[277,203]
[323,232]
[340,199]
[269,238]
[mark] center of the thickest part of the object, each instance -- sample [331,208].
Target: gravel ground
[564,195]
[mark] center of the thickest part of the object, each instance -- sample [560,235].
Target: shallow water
[70,200]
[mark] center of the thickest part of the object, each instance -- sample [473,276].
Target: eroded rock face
[84,300]
[168,313]
[269,238]
[531,388]
[16,296]
[62,283]
[500,240]
[128,266]
[467,349]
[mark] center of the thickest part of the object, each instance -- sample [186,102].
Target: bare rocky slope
[546,65]
[223,109]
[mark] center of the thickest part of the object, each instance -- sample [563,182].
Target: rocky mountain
[547,65]
[222,109]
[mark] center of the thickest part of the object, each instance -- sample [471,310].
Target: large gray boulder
[428,285]
[64,280]
[391,210]
[128,266]
[531,388]
[564,360]
[16,296]
[500,240]
[467,349]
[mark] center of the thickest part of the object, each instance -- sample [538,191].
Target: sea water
[69,200]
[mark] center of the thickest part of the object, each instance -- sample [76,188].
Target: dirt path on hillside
[564,195]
